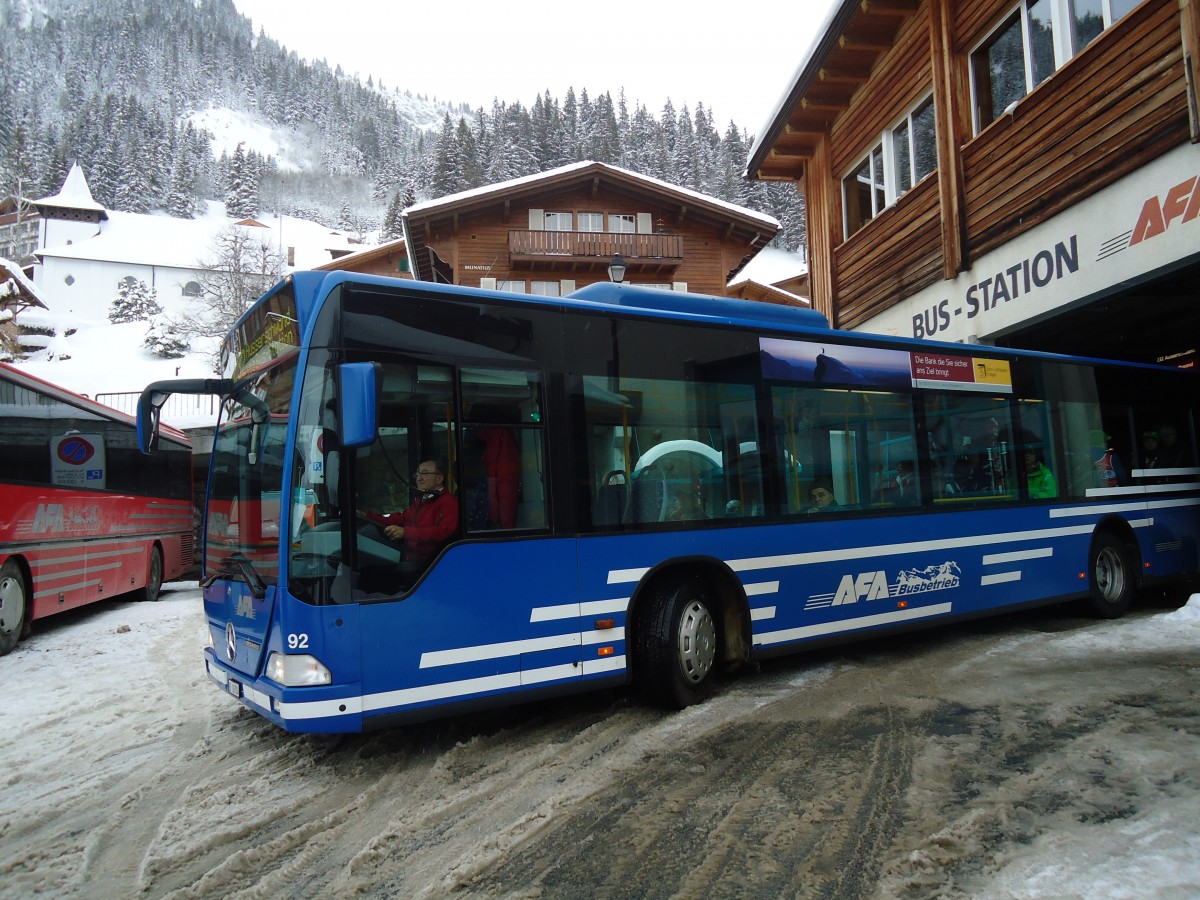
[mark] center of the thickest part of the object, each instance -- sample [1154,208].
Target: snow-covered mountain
[170,103]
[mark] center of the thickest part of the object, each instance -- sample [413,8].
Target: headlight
[296,670]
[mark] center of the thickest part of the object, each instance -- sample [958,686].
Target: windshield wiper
[248,573]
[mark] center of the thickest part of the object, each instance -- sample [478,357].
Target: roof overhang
[853,38]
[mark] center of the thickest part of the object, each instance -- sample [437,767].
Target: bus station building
[1020,174]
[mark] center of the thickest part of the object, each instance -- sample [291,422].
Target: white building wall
[94,283]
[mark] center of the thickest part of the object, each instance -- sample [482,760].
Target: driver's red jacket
[430,520]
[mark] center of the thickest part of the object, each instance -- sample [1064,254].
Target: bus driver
[430,520]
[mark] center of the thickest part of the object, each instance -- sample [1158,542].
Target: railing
[189,407]
[598,244]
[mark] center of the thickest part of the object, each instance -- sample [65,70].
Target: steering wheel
[369,528]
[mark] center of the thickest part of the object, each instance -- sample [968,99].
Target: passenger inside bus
[903,489]
[1171,453]
[1038,478]
[822,497]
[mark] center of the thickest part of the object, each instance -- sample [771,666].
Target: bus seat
[646,504]
[611,498]
[476,505]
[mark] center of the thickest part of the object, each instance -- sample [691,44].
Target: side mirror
[358,403]
[150,404]
[149,409]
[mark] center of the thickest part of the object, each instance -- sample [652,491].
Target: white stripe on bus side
[320,709]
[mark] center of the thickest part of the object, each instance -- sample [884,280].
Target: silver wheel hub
[697,644]
[1110,574]
[12,605]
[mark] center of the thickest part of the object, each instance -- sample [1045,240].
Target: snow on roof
[772,266]
[11,272]
[503,186]
[164,241]
[360,253]
[75,193]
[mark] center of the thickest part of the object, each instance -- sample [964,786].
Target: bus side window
[502,466]
[970,446]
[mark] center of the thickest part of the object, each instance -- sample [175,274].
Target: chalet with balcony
[1016,172]
[557,231]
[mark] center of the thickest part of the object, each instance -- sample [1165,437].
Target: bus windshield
[242,524]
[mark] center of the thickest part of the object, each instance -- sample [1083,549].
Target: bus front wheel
[13,606]
[676,646]
[154,577]
[1112,577]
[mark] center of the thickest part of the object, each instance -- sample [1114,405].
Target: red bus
[84,516]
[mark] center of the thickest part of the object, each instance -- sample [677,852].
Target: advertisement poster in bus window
[77,460]
[840,365]
[834,365]
[961,373]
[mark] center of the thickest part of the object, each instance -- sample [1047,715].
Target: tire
[154,577]
[1112,577]
[676,646]
[14,606]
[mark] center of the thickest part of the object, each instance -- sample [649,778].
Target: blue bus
[648,488]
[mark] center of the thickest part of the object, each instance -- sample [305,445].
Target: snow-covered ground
[1036,756]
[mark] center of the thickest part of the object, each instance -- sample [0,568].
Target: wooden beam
[947,117]
[859,46]
[767,175]
[809,106]
[896,8]
[824,221]
[802,122]
[839,75]
[1189,26]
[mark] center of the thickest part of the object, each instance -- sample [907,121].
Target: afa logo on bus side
[878,585]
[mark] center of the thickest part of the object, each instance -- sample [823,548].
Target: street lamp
[616,269]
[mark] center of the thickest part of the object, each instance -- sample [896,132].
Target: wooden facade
[1117,104]
[558,231]
[390,259]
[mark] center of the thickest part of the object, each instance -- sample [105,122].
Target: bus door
[519,575]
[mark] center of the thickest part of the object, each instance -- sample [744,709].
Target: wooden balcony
[592,250]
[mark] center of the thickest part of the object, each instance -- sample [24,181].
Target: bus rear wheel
[154,577]
[1112,577]
[676,646]
[14,608]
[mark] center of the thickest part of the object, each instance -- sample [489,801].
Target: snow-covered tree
[392,229]
[241,190]
[164,338]
[136,301]
[181,201]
